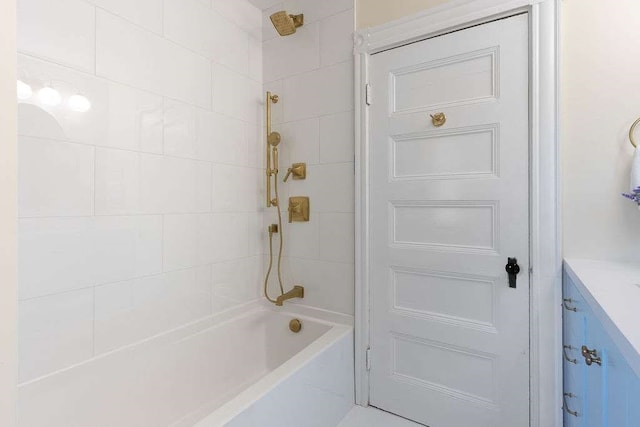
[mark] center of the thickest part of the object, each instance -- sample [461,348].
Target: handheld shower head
[286,24]
[274,139]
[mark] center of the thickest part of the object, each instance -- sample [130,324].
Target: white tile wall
[230,93]
[142,213]
[135,183]
[230,44]
[145,13]
[317,93]
[328,285]
[55,178]
[337,237]
[286,56]
[120,116]
[231,279]
[189,23]
[61,254]
[132,310]
[134,120]
[336,40]
[233,143]
[241,12]
[55,332]
[189,131]
[180,241]
[312,71]
[62,31]
[337,135]
[303,140]
[131,55]
[330,185]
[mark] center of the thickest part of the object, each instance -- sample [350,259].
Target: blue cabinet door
[594,375]
[618,377]
[604,394]
[633,402]
[574,334]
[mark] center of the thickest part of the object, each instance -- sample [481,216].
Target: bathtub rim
[244,400]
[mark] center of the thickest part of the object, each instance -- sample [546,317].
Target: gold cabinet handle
[438,119]
[568,300]
[566,407]
[566,357]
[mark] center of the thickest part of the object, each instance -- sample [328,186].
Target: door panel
[448,205]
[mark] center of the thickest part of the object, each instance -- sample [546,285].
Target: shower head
[273,139]
[286,24]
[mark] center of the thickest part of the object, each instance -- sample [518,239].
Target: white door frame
[545,238]
[8,212]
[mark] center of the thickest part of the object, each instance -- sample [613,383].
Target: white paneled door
[449,205]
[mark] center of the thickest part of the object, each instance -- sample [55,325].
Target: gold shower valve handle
[297,170]
[438,119]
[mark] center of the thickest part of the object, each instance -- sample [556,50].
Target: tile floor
[372,417]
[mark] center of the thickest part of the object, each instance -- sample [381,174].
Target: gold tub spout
[296,292]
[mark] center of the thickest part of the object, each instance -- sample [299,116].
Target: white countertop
[612,290]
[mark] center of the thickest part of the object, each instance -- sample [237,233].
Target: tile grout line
[95,286]
[95,40]
[313,70]
[129,150]
[95,176]
[162,245]
[93,335]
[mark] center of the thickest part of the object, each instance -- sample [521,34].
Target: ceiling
[265,4]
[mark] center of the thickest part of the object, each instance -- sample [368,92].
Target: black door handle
[512,268]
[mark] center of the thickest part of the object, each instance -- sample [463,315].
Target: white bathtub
[243,368]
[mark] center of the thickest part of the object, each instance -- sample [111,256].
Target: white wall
[8,212]
[600,81]
[375,12]
[143,213]
[312,71]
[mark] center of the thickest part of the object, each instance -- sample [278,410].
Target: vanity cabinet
[600,386]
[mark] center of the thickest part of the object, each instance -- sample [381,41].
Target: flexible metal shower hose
[281,231]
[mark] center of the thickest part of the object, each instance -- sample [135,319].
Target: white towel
[635,171]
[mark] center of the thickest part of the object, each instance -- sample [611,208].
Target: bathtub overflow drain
[295,325]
